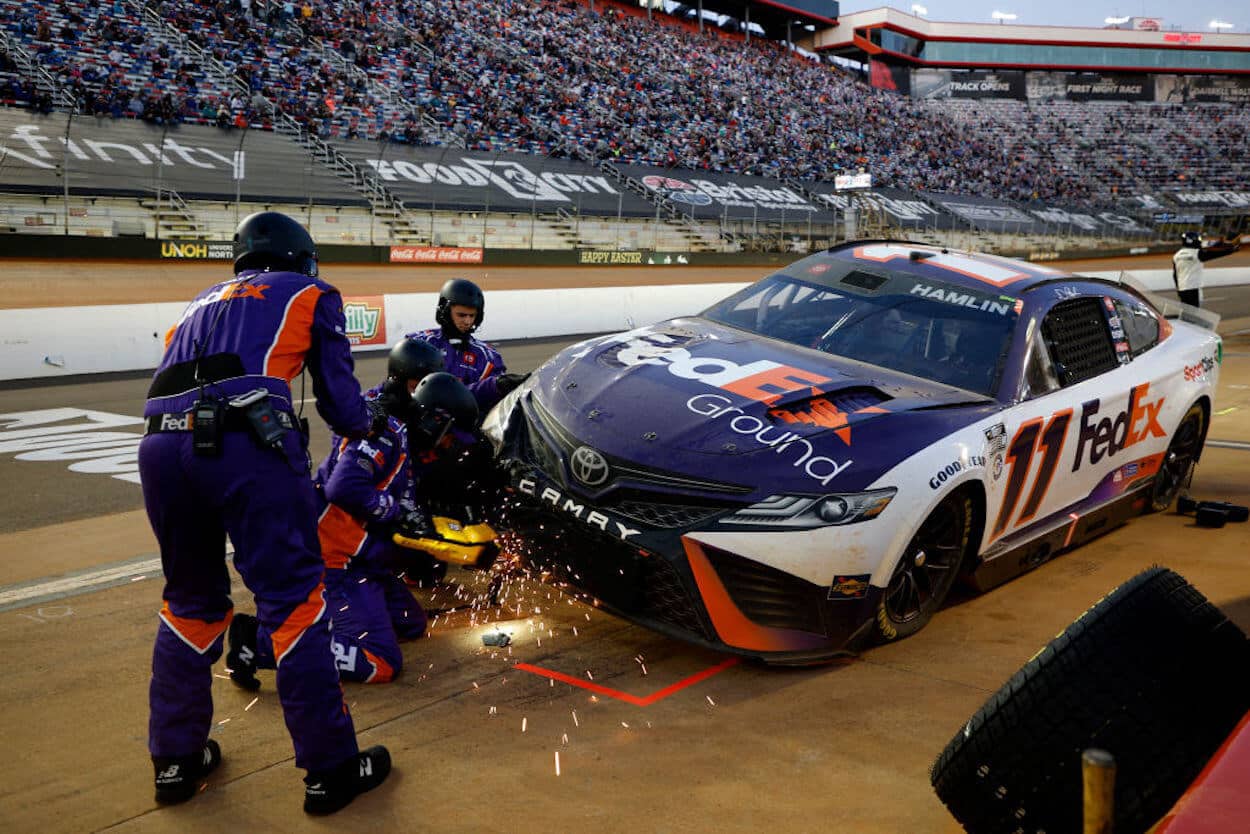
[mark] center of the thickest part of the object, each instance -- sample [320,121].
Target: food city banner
[128,157]
[366,319]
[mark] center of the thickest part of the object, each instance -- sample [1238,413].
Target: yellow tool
[470,545]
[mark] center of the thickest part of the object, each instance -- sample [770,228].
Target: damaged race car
[808,466]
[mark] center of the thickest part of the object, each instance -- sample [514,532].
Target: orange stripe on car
[341,536]
[382,671]
[285,357]
[198,634]
[732,626]
[306,614]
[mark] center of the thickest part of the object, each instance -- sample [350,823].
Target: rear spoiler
[1170,307]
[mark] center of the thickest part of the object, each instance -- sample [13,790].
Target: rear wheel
[927,570]
[1178,462]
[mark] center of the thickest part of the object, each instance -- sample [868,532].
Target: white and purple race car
[809,465]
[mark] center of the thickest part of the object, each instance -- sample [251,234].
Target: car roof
[975,271]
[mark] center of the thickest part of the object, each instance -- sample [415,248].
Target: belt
[233,420]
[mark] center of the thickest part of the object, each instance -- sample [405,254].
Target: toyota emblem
[588,466]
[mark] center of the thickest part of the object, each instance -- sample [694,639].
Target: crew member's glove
[377,409]
[507,383]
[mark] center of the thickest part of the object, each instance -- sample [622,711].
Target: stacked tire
[1153,673]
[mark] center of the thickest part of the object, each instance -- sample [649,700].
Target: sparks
[557,763]
[564,738]
[223,721]
[709,700]
[590,676]
[575,724]
[524,723]
[249,706]
[623,724]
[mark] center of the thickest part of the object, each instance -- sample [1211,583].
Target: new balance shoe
[241,654]
[178,778]
[332,790]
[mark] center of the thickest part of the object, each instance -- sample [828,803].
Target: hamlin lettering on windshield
[562,502]
[961,299]
[818,467]
[1108,436]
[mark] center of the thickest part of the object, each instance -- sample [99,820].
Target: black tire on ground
[926,570]
[1153,673]
[1178,461]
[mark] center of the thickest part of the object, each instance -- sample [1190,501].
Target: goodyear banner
[366,319]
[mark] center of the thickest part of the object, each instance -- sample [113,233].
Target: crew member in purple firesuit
[461,310]
[224,454]
[368,490]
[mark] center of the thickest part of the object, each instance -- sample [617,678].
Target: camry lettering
[561,502]
[818,467]
[961,299]
[1108,436]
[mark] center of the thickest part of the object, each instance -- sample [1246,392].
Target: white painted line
[1230,444]
[29,593]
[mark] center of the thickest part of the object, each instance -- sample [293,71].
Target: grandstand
[590,125]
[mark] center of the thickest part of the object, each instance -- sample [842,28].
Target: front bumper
[657,575]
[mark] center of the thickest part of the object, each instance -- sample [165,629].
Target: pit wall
[66,341]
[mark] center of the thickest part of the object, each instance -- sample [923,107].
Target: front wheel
[927,570]
[1178,461]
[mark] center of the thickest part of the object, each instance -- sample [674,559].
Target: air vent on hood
[830,410]
[863,280]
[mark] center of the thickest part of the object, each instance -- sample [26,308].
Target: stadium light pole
[919,10]
[1002,17]
[65,168]
[1116,21]
[1219,25]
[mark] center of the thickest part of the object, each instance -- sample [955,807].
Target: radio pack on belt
[264,421]
[207,424]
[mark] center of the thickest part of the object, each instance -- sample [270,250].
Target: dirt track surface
[57,283]
[843,748]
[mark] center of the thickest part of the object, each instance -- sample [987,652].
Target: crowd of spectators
[505,75]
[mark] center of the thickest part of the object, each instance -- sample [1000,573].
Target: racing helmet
[410,359]
[271,240]
[439,402]
[1191,240]
[459,291]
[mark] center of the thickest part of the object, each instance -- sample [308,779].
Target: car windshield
[931,330]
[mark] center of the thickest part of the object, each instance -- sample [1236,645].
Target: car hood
[694,397]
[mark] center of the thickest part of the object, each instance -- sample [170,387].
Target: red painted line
[625,696]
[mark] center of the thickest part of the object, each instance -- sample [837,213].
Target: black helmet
[410,359]
[1191,240]
[459,291]
[439,401]
[271,240]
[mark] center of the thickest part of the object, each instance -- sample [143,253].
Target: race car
[808,466]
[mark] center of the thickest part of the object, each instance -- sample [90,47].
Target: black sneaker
[332,790]
[241,655]
[178,779]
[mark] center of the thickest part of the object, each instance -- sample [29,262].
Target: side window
[1076,334]
[1139,323]
[1039,371]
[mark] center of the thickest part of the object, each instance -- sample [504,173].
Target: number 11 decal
[1020,455]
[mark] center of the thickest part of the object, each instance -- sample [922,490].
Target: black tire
[1153,673]
[1178,462]
[926,571]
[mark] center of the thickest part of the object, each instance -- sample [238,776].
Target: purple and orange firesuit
[362,485]
[470,360]
[256,330]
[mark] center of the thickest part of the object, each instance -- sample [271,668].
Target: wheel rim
[1179,459]
[928,566]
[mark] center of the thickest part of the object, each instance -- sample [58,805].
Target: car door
[1083,405]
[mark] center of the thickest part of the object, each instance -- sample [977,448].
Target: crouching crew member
[224,454]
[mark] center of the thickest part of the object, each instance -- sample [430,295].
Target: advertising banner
[988,214]
[1099,86]
[366,319]
[708,195]
[892,77]
[843,181]
[900,208]
[1183,89]
[453,179]
[196,250]
[435,255]
[974,84]
[127,157]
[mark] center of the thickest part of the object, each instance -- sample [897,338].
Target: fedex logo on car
[1108,436]
[762,380]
